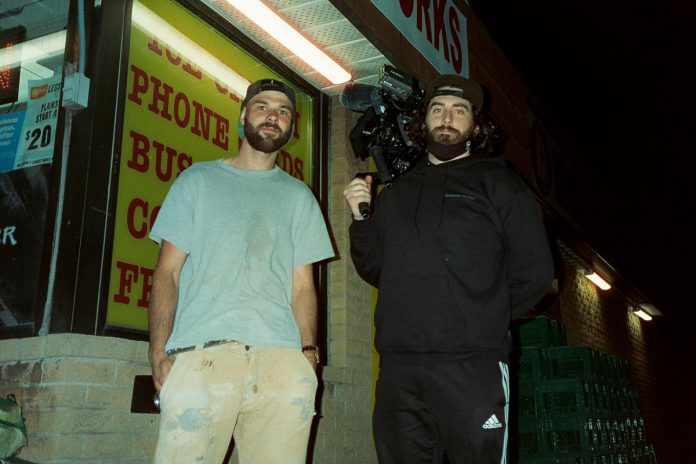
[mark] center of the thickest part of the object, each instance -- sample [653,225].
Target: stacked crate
[572,404]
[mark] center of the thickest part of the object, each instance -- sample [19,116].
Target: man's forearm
[163,301]
[304,303]
[304,306]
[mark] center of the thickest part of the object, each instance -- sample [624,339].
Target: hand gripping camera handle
[363,206]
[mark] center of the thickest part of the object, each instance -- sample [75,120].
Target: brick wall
[345,432]
[75,391]
[657,353]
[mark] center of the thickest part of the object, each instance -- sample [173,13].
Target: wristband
[314,349]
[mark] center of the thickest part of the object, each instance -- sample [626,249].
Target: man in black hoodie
[457,249]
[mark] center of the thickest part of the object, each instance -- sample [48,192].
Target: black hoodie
[457,250]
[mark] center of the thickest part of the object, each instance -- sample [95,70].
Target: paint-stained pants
[263,396]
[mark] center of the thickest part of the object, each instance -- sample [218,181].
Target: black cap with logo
[461,87]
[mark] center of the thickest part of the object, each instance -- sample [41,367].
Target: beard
[265,142]
[447,145]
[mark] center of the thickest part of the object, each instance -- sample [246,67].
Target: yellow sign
[182,105]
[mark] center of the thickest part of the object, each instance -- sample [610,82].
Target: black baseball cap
[462,87]
[263,85]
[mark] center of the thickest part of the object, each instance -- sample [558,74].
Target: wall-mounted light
[642,314]
[646,311]
[291,39]
[597,279]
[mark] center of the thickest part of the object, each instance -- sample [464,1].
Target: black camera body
[385,131]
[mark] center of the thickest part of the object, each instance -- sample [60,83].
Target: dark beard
[447,146]
[265,144]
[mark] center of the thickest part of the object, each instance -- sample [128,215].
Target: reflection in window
[32,45]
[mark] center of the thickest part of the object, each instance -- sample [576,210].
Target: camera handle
[383,175]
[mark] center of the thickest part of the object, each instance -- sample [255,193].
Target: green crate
[540,332]
[529,438]
[575,362]
[635,427]
[626,400]
[567,397]
[527,365]
[568,436]
[526,401]
[553,460]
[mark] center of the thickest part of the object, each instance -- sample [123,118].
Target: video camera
[384,130]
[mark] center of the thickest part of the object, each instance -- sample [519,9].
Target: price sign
[39,137]
[39,128]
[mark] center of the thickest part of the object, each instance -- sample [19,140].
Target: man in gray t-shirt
[233,313]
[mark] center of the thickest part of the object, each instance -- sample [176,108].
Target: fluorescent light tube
[290,38]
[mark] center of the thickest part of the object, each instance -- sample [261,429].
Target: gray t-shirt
[244,231]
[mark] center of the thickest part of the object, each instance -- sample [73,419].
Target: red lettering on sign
[424,17]
[140,230]
[406,7]
[161,94]
[299,168]
[296,132]
[164,157]
[165,161]
[154,47]
[183,161]
[147,274]
[225,91]
[291,165]
[174,59]
[456,47]
[192,70]
[140,84]
[201,125]
[141,145]
[439,27]
[205,120]
[181,101]
[222,129]
[129,274]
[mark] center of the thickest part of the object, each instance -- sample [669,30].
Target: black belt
[205,345]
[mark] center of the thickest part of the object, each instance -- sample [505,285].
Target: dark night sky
[619,77]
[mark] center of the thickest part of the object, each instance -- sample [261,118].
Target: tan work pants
[263,396]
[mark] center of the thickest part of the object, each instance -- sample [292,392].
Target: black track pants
[460,407]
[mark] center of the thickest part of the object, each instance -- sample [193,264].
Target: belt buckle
[218,342]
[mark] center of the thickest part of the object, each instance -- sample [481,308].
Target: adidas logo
[492,423]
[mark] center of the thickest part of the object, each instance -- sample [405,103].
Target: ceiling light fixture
[597,279]
[291,39]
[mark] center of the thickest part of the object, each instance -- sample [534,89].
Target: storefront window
[32,47]
[182,105]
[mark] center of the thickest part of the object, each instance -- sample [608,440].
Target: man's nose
[272,114]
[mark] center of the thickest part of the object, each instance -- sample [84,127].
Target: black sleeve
[366,250]
[530,265]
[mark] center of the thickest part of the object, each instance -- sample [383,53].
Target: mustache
[447,128]
[269,125]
